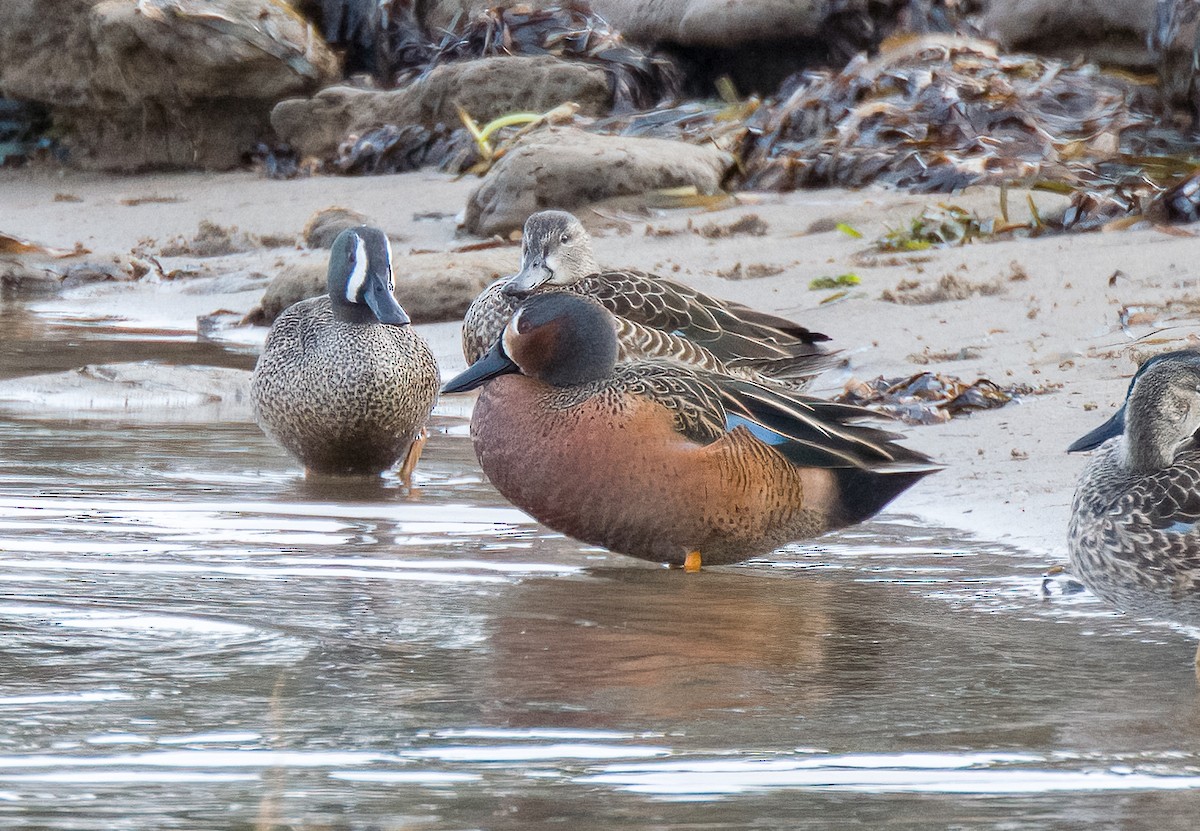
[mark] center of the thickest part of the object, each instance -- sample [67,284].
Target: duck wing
[728,330]
[1167,500]
[814,432]
[692,398]
[485,319]
[808,431]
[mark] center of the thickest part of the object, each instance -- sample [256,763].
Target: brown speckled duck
[343,382]
[664,462]
[656,318]
[1134,535]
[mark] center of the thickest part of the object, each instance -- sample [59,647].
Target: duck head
[1160,415]
[360,278]
[555,250]
[559,339]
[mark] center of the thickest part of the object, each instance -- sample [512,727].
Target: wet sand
[1048,315]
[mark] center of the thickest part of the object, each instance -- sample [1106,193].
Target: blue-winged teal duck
[656,318]
[343,382]
[664,462]
[1134,537]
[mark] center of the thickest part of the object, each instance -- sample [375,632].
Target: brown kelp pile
[940,112]
[571,31]
[392,149]
[929,398]
[390,39]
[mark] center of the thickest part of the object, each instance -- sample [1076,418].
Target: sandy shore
[1049,315]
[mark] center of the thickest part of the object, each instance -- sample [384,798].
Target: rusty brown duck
[657,318]
[343,382]
[1134,534]
[664,462]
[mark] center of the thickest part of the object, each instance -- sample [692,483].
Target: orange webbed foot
[412,457]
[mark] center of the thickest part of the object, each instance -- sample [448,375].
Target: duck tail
[865,493]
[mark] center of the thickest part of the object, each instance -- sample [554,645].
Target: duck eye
[564,239]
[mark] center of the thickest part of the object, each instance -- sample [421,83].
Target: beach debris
[948,287]
[487,153]
[838,282]
[392,149]
[940,225]
[750,271]
[749,224]
[12,244]
[150,199]
[928,397]
[23,128]
[277,160]
[935,113]
[637,79]
[390,40]
[212,240]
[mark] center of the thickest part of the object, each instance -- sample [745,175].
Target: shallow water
[195,637]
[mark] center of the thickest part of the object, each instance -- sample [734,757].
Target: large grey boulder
[713,22]
[684,22]
[159,83]
[485,88]
[565,168]
[1111,32]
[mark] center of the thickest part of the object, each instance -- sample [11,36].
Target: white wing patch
[358,276]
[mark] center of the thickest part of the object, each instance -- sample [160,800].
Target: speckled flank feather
[1133,536]
[1134,540]
[344,398]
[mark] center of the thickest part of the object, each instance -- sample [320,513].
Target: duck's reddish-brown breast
[612,471]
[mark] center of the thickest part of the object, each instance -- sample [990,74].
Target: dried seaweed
[389,39]
[570,30]
[276,160]
[392,149]
[23,128]
[948,287]
[941,112]
[929,398]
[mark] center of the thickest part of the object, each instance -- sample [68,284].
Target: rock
[149,389]
[562,167]
[1112,32]
[322,229]
[713,22]
[485,88]
[30,275]
[432,287]
[682,22]
[179,83]
[440,286]
[297,280]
